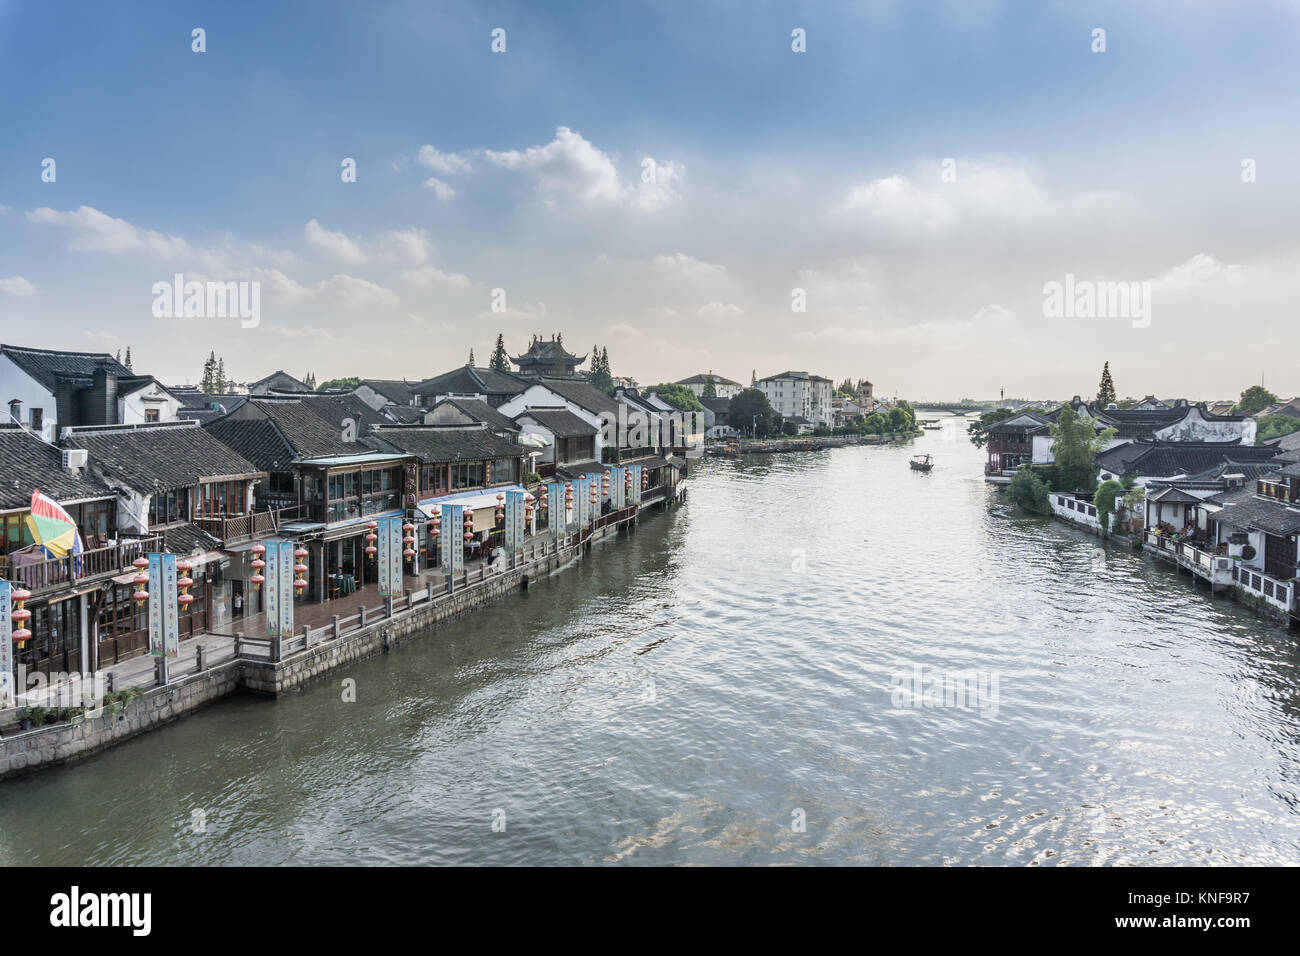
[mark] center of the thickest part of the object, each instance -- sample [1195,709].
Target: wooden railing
[231,528]
[96,562]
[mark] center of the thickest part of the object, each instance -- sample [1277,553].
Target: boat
[921,463]
[932,428]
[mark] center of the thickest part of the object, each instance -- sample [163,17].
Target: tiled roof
[170,455]
[280,380]
[581,394]
[547,353]
[45,365]
[1243,509]
[578,469]
[274,433]
[438,443]
[188,538]
[471,380]
[397,392]
[483,412]
[704,380]
[1162,458]
[27,463]
[560,422]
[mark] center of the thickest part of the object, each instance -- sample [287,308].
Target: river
[730,685]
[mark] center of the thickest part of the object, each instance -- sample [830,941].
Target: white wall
[539,396]
[15,383]
[131,406]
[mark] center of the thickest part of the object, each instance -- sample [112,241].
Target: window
[168,506]
[467,474]
[151,414]
[505,469]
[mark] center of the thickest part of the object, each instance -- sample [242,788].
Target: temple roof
[547,353]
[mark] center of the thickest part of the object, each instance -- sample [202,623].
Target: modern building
[800,395]
[723,387]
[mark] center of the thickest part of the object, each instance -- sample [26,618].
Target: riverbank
[212,668]
[757,446]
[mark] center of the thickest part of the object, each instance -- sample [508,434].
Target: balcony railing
[1270,588]
[98,562]
[231,528]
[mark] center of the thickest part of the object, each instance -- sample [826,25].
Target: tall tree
[1106,389]
[471,355]
[1075,443]
[710,389]
[127,363]
[500,361]
[209,374]
[221,375]
[752,414]
[599,375]
[1254,399]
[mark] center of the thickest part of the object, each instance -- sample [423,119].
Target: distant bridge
[957,408]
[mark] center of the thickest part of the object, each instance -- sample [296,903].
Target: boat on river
[921,463]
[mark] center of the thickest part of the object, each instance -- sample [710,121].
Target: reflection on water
[692,693]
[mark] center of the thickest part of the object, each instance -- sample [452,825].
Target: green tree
[710,390]
[207,384]
[1075,443]
[600,376]
[752,414]
[220,378]
[1104,499]
[678,396]
[1254,399]
[310,381]
[1274,426]
[127,360]
[1106,389]
[1028,492]
[471,355]
[342,384]
[500,361]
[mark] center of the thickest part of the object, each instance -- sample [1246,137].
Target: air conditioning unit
[74,459]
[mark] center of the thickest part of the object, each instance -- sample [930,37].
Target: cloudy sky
[659,179]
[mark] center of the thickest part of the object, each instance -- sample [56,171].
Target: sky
[673,182]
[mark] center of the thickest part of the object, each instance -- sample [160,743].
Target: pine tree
[471,355]
[753,377]
[1106,390]
[221,376]
[710,390]
[127,363]
[604,364]
[209,374]
[500,361]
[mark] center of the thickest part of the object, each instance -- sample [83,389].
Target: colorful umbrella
[52,527]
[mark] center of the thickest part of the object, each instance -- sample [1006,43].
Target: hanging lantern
[21,615]
[371,538]
[299,569]
[604,483]
[408,539]
[645,479]
[258,564]
[546,505]
[469,525]
[140,580]
[501,507]
[435,523]
[528,512]
[184,583]
[627,481]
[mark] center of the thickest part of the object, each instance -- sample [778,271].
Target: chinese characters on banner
[6,645]
[279,588]
[514,521]
[390,557]
[452,546]
[164,612]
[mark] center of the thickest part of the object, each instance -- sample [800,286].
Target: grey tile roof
[443,443]
[187,539]
[274,433]
[704,380]
[281,381]
[44,365]
[561,422]
[27,464]
[1162,458]
[1242,509]
[170,455]
[397,392]
[582,394]
[483,412]
[471,380]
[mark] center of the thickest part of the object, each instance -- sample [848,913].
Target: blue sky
[776,170]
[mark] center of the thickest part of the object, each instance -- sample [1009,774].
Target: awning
[483,504]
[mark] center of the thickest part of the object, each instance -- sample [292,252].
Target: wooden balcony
[234,528]
[49,573]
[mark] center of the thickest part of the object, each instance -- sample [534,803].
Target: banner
[7,679]
[390,556]
[515,530]
[637,472]
[164,612]
[616,490]
[582,494]
[452,545]
[286,588]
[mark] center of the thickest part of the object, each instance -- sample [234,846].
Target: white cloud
[440,189]
[17,286]
[334,244]
[429,276]
[719,310]
[572,168]
[1200,270]
[683,266]
[94,231]
[356,293]
[409,245]
[449,164]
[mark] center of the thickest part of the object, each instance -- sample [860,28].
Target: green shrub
[1028,492]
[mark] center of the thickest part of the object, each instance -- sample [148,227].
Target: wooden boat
[921,463]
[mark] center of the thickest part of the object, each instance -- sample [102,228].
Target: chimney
[66,408]
[103,396]
[15,410]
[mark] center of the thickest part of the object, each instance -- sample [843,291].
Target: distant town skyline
[913,178]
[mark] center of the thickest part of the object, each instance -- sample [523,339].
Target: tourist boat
[932,428]
[921,462]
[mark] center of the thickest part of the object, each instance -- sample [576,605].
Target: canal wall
[254,670]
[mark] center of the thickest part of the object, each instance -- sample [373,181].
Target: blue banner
[451,544]
[390,556]
[286,588]
[271,588]
[7,680]
[515,528]
[164,611]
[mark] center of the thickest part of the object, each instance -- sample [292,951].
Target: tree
[207,384]
[978,430]
[678,396]
[127,361]
[752,414]
[600,376]
[1075,443]
[500,361]
[343,384]
[471,355]
[1274,426]
[1028,492]
[1104,500]
[1254,399]
[1106,389]
[710,389]
[219,385]
[753,377]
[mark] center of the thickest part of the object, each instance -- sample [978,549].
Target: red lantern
[140,580]
[184,583]
[469,524]
[258,564]
[371,538]
[645,479]
[299,569]
[21,615]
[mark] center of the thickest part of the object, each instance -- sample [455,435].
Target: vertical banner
[271,588]
[285,586]
[515,530]
[7,679]
[452,545]
[616,489]
[164,612]
[583,504]
[390,557]
[637,471]
[555,514]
